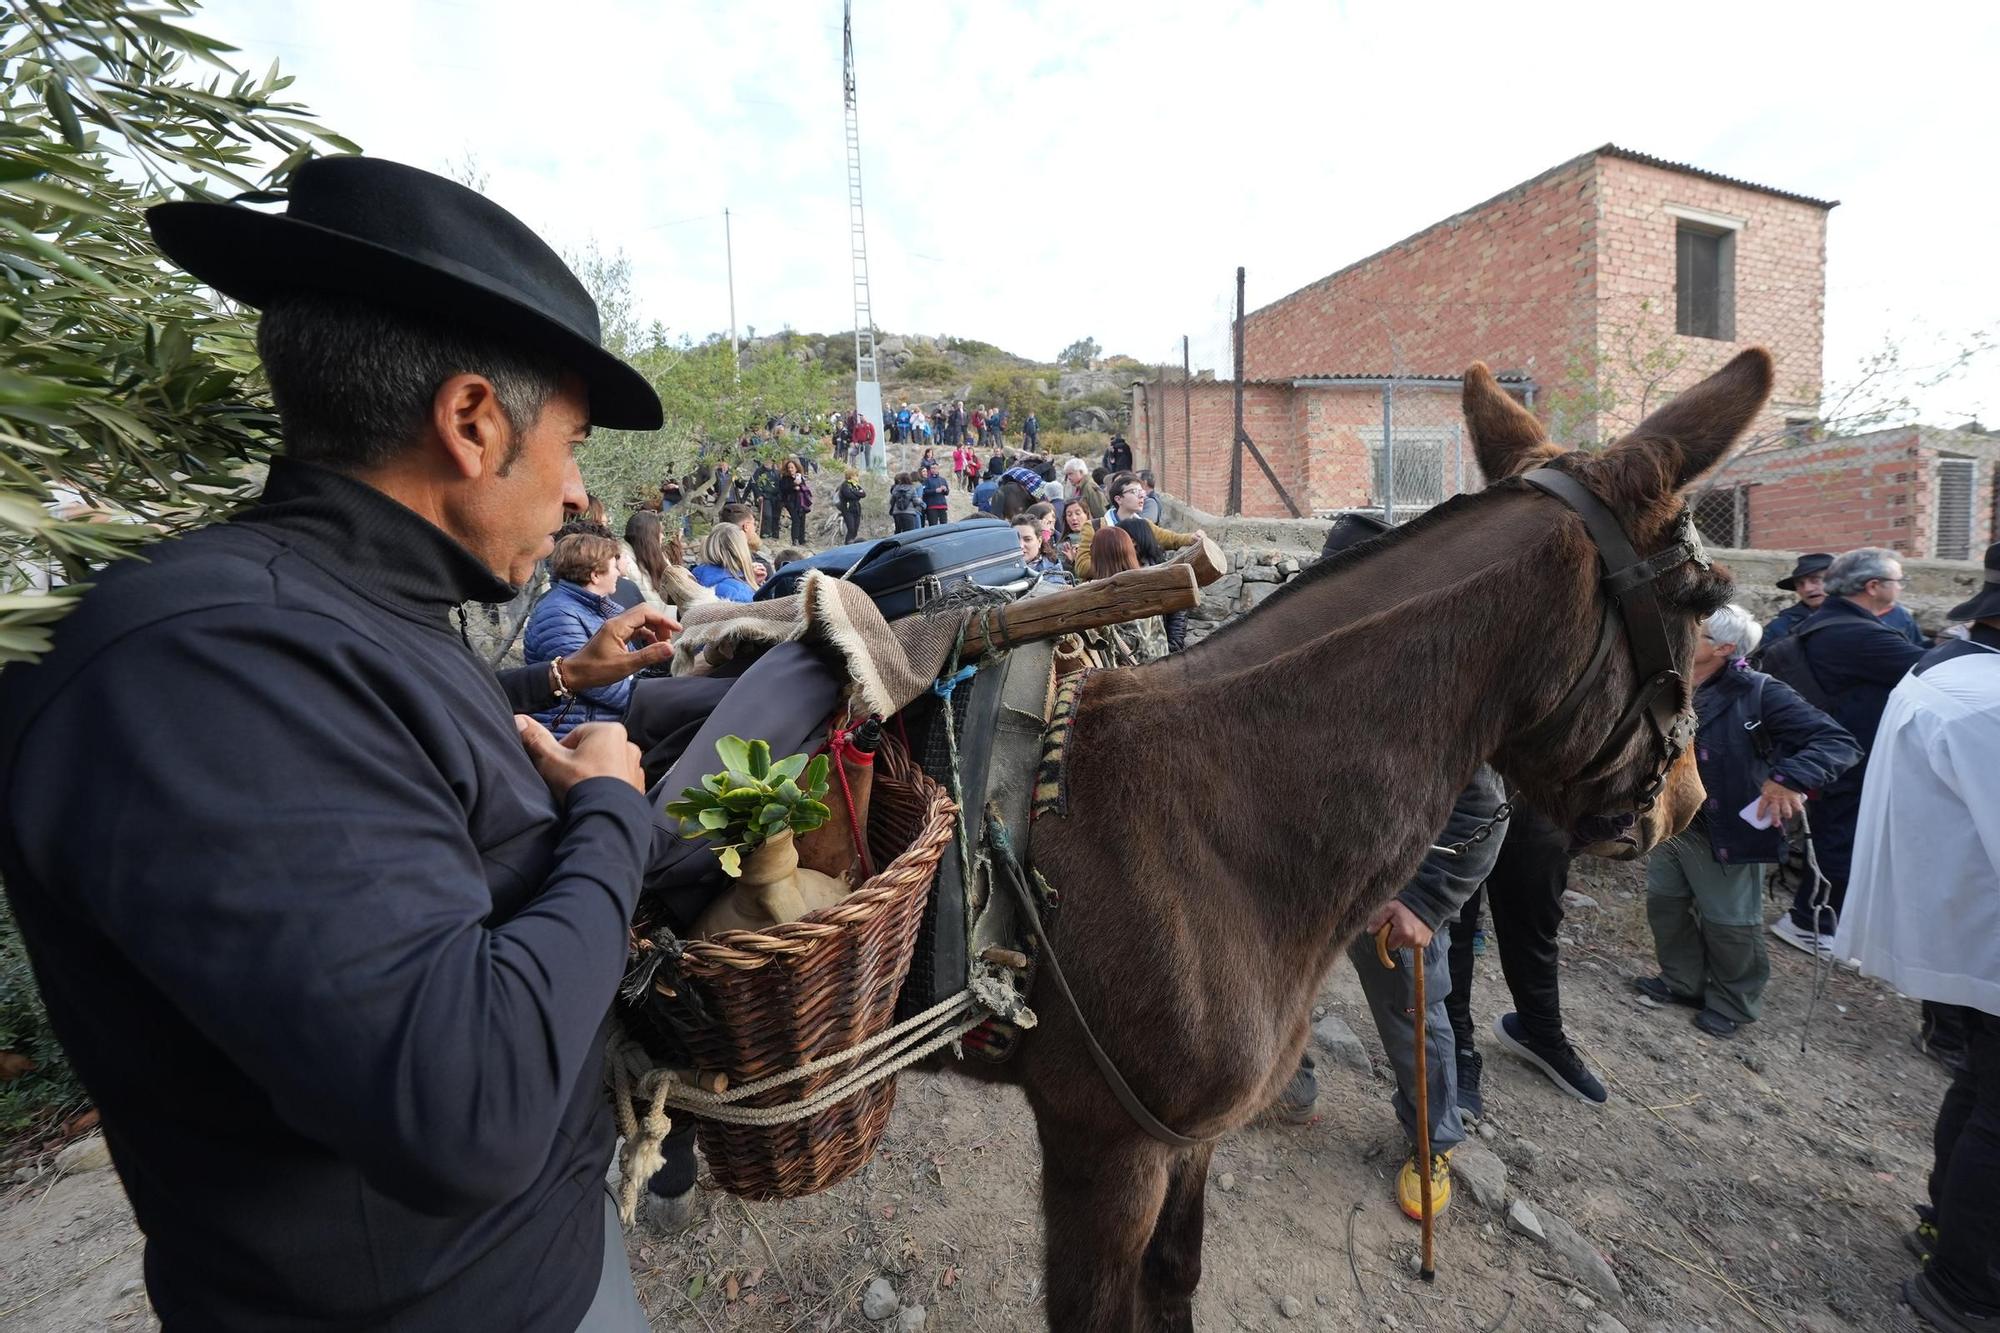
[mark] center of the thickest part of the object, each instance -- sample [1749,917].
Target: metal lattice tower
[867,389]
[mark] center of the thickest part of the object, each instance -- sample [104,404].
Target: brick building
[1598,289]
[1916,490]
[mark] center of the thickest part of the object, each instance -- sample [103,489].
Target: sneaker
[1410,1187]
[1470,1066]
[1921,1294]
[1478,943]
[1796,935]
[1295,1104]
[1715,1025]
[1560,1062]
[1656,988]
[1921,1241]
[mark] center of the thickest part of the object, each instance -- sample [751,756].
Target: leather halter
[1662,698]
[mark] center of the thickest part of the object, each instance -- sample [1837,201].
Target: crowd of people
[939,425]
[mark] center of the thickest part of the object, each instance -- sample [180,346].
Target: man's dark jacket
[329,957]
[1857,660]
[1786,621]
[1740,724]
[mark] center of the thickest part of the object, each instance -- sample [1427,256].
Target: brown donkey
[1235,812]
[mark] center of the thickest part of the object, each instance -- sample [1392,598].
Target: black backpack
[1786,659]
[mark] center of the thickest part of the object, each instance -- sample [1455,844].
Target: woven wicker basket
[815,986]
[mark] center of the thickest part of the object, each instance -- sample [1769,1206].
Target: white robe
[1923,898]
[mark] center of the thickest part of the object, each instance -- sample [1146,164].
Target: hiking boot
[1796,935]
[1921,1294]
[1470,1065]
[1295,1104]
[1921,1241]
[1656,988]
[1559,1061]
[1410,1186]
[1716,1025]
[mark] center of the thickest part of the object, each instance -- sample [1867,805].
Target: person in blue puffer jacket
[1759,747]
[725,564]
[585,566]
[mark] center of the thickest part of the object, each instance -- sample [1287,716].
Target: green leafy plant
[753,800]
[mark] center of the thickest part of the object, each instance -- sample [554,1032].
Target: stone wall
[1265,553]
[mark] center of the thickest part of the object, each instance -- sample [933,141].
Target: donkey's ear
[1506,438]
[1697,428]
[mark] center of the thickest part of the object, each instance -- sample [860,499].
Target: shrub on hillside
[928,370]
[1018,391]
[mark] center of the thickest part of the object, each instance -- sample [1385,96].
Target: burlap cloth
[888,665]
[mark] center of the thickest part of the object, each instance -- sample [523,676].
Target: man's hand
[1779,803]
[605,660]
[593,750]
[1405,931]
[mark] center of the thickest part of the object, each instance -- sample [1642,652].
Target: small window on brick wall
[1704,281]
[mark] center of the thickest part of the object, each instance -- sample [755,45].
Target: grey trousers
[1390,999]
[1708,926]
[615,1308]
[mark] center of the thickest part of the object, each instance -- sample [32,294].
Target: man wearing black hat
[1923,914]
[1808,580]
[329,930]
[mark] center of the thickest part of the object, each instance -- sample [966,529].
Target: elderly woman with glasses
[1760,749]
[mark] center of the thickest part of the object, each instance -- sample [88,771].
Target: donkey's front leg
[1100,1203]
[1173,1259]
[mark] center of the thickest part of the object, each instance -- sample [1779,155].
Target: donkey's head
[1581,770]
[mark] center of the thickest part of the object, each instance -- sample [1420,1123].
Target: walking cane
[1428,1272]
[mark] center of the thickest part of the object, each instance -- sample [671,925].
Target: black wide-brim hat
[1816,563]
[1985,604]
[378,231]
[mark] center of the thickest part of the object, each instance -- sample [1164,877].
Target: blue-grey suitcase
[911,570]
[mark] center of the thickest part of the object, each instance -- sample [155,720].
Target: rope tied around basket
[641,1156]
[635,1078]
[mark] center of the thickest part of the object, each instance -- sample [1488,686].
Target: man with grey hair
[1847,662]
[329,926]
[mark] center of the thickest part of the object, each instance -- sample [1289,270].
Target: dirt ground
[1731,1185]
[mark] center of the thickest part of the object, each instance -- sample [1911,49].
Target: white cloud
[1039,171]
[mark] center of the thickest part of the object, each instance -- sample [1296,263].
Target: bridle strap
[1628,583]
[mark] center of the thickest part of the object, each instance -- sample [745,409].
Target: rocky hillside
[919,368]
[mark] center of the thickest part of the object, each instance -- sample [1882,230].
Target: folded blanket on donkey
[889,664]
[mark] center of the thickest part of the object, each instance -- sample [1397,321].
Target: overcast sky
[1040,171]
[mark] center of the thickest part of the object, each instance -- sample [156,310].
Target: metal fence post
[1235,505]
[1187,416]
[1387,461]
